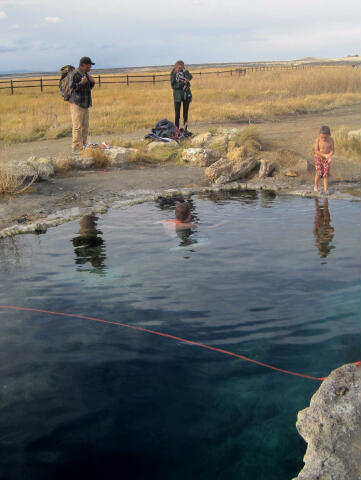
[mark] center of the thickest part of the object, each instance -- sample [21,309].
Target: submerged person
[180,80]
[323,230]
[324,149]
[183,217]
[183,227]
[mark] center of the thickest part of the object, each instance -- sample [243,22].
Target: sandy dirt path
[294,132]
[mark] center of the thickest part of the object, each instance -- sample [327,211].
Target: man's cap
[85,61]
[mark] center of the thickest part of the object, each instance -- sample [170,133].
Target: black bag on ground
[65,81]
[165,129]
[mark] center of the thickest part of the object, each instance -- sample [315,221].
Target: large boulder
[200,157]
[21,168]
[331,426]
[43,166]
[226,170]
[120,156]
[201,140]
[229,133]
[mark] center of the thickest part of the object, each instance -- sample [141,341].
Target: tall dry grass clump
[30,115]
[98,155]
[350,146]
[61,164]
[13,179]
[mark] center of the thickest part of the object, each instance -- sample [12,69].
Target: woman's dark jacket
[178,86]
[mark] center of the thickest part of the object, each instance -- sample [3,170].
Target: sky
[43,35]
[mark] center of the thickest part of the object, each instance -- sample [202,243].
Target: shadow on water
[89,246]
[246,196]
[323,230]
[267,199]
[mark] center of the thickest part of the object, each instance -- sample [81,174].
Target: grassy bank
[30,115]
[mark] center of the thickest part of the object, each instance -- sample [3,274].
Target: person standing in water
[180,80]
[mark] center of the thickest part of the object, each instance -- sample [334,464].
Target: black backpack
[65,81]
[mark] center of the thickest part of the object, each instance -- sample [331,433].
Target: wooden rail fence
[100,80]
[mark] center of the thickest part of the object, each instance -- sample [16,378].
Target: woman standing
[180,80]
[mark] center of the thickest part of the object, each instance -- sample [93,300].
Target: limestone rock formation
[200,157]
[201,140]
[81,163]
[43,166]
[23,169]
[120,156]
[331,426]
[226,170]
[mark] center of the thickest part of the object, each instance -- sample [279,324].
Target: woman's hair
[325,130]
[182,211]
[179,62]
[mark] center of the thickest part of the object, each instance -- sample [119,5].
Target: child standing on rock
[324,149]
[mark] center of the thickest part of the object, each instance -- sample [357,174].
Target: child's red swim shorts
[322,166]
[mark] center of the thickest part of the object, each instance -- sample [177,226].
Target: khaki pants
[80,121]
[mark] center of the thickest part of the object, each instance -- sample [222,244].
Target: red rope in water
[161,334]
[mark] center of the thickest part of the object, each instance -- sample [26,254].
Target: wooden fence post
[153,79]
[41,84]
[12,87]
[231,73]
[127,80]
[99,81]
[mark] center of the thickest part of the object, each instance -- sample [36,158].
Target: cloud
[7,49]
[53,20]
[3,16]
[208,31]
[20,3]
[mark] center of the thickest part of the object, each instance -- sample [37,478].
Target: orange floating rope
[166,335]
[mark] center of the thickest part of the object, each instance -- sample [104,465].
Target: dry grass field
[30,115]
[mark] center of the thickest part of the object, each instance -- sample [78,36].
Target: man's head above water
[183,212]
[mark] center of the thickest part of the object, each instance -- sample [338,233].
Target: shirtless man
[324,149]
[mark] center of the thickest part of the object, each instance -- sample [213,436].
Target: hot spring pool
[274,278]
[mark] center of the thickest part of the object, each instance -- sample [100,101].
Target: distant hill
[166,68]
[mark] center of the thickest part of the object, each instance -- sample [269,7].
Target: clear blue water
[278,281]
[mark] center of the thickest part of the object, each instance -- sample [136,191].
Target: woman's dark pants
[177,108]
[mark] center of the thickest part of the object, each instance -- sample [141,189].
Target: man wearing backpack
[80,100]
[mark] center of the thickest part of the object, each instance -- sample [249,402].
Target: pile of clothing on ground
[167,131]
